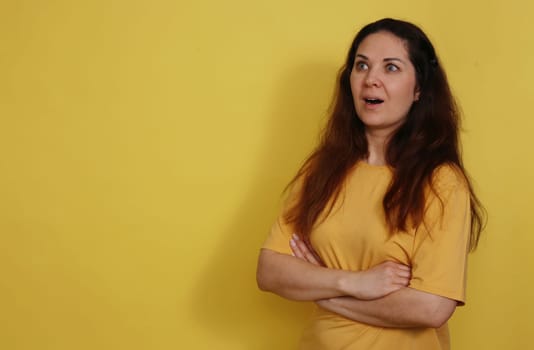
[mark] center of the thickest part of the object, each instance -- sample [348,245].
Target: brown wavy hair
[427,139]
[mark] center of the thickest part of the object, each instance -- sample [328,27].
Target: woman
[381,216]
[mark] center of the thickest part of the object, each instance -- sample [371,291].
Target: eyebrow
[387,59]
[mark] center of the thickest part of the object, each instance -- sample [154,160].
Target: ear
[416,94]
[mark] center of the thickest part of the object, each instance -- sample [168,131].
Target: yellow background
[144,146]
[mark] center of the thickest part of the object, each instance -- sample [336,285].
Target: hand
[374,283]
[380,280]
[323,303]
[304,251]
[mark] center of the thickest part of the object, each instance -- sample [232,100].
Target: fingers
[399,275]
[403,274]
[295,247]
[402,281]
[397,266]
[302,251]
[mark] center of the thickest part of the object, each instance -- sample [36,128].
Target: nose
[372,78]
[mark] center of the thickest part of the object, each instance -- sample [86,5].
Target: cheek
[352,80]
[355,84]
[353,89]
[406,93]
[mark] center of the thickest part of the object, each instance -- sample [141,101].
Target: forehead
[383,45]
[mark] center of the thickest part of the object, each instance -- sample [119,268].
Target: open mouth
[373,101]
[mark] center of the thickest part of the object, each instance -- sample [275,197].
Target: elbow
[272,276]
[436,321]
[261,281]
[437,315]
[262,276]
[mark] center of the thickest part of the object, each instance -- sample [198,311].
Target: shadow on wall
[227,302]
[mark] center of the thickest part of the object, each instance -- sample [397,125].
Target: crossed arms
[378,296]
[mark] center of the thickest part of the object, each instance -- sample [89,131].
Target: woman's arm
[405,307]
[297,279]
[303,276]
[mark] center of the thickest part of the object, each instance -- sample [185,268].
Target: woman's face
[383,82]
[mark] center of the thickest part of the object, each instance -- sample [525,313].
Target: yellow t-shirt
[354,237]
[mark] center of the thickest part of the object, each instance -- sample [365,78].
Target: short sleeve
[278,238]
[281,231]
[439,261]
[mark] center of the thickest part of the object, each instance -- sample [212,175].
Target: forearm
[297,279]
[404,308]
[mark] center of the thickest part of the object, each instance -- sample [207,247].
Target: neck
[376,143]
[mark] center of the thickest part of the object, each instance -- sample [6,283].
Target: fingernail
[295,237]
[292,242]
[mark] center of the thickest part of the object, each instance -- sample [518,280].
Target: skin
[379,296]
[404,307]
[304,277]
[382,69]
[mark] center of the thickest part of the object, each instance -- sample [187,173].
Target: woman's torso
[354,237]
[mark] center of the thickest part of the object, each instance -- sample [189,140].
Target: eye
[392,68]
[360,65]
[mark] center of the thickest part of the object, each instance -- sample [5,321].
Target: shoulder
[292,193]
[447,176]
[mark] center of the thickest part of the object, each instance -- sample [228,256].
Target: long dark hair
[427,139]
